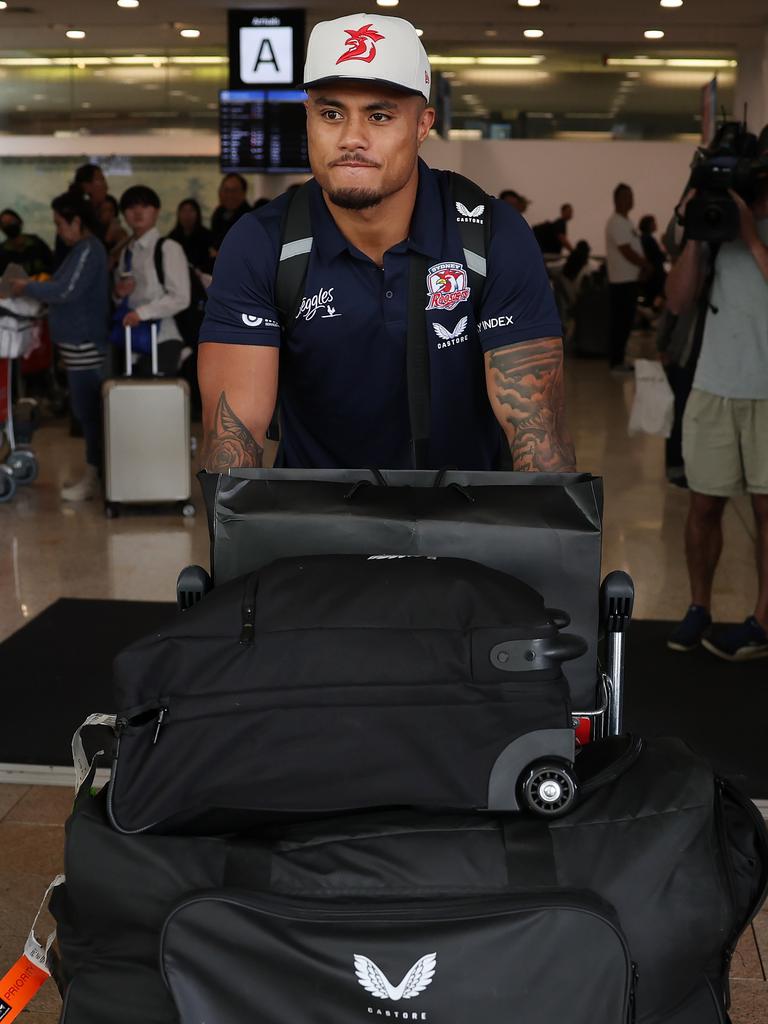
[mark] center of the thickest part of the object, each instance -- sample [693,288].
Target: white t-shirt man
[621,231]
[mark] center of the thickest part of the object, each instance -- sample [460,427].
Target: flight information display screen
[263,130]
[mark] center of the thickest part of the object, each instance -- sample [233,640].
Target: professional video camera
[736,159]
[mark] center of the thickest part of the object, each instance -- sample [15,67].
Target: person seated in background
[192,235]
[28,251]
[136,278]
[77,299]
[233,203]
[653,284]
[520,203]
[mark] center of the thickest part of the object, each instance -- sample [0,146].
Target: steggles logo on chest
[311,305]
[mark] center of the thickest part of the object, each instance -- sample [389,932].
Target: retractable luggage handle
[617,597]
[129,349]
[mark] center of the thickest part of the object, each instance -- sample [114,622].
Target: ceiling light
[419,32]
[190,33]
[75,33]
[3,5]
[491,33]
[671,62]
[505,61]
[127,3]
[653,33]
[86,105]
[528,3]
[670,3]
[387,3]
[533,33]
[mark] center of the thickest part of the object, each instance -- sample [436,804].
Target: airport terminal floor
[49,550]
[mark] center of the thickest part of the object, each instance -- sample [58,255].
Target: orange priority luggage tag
[30,972]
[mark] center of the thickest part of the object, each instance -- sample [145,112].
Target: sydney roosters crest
[447,285]
[361,44]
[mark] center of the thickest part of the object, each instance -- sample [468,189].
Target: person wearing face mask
[27,251]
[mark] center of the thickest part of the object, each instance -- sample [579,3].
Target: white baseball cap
[368,48]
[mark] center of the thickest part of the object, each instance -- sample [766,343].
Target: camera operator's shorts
[725,444]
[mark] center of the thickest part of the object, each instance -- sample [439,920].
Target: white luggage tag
[31,971]
[82,765]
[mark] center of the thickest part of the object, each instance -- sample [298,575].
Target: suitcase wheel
[7,484]
[111,509]
[188,509]
[23,465]
[549,789]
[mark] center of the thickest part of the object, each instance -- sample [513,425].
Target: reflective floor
[48,550]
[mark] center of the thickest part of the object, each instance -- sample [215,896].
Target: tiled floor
[48,551]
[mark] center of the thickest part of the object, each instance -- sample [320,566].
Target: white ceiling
[578,34]
[38,24]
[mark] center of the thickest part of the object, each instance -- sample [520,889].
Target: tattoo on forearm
[528,387]
[229,443]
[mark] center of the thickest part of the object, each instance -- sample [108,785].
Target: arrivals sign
[266,48]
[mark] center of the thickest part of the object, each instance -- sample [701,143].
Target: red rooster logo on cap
[361,44]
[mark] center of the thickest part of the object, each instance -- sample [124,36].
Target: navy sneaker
[743,642]
[691,631]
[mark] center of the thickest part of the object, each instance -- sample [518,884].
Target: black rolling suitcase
[336,683]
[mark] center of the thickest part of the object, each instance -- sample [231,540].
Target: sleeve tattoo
[229,443]
[527,391]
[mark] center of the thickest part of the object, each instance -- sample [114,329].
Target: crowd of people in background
[109,269]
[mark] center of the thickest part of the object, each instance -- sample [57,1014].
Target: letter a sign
[265,47]
[266,55]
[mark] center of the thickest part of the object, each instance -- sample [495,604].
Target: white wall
[585,173]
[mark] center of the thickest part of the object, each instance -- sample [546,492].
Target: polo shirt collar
[427,227]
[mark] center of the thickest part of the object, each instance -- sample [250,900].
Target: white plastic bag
[653,408]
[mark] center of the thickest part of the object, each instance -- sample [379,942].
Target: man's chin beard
[355,198]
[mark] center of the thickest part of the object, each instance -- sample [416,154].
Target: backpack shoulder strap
[159,268]
[473,215]
[295,247]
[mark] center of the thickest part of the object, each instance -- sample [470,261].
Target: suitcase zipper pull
[159,725]
[633,994]
[248,630]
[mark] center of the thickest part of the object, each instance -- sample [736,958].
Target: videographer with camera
[723,267]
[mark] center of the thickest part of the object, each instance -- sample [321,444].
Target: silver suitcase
[147,454]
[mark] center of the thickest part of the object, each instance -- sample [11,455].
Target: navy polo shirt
[343,387]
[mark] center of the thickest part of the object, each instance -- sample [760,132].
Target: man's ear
[426,122]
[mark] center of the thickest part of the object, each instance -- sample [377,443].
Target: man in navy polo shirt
[341,363]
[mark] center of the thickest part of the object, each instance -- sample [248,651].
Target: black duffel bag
[337,683]
[658,851]
[542,528]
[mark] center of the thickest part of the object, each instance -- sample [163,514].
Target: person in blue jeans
[77,296]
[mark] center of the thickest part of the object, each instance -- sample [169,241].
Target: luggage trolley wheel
[23,465]
[549,788]
[7,484]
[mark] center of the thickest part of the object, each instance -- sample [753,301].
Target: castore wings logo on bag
[418,978]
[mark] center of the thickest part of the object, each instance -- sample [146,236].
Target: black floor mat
[59,668]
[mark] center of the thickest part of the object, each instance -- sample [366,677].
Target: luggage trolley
[19,319]
[537,773]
